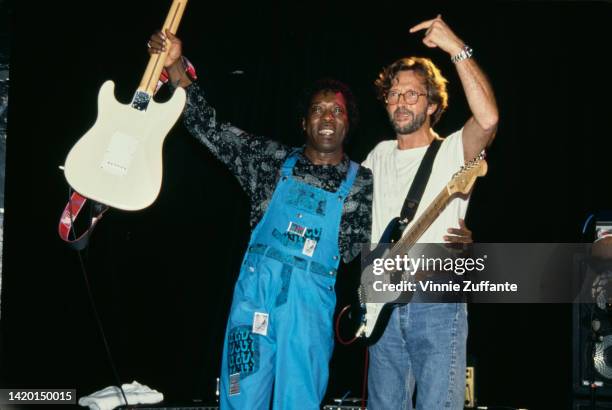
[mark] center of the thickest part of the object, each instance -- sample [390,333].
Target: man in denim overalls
[284,298]
[310,207]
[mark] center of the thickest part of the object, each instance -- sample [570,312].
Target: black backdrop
[163,277]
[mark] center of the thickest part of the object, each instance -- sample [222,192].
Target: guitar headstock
[464,179]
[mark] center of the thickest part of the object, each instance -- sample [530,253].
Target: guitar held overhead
[118,162]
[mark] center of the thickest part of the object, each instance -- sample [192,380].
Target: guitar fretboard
[419,227]
[156,61]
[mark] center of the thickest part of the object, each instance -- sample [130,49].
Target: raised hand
[159,42]
[439,34]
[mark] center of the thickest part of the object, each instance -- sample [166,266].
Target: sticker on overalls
[260,323]
[234,384]
[243,351]
[296,241]
[309,247]
[296,229]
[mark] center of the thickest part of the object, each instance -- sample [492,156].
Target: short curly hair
[330,84]
[434,81]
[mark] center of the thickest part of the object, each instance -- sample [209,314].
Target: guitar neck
[148,83]
[419,227]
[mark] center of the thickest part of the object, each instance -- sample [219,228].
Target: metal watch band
[465,53]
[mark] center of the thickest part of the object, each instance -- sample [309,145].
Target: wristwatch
[465,53]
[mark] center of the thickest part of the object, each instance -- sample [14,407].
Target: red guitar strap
[189,69]
[71,211]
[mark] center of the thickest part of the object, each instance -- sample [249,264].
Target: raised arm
[480,128]
[240,151]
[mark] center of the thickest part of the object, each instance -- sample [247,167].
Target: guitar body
[375,316]
[118,162]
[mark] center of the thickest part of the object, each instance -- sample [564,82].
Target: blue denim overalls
[279,335]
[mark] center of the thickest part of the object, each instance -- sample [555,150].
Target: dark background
[163,277]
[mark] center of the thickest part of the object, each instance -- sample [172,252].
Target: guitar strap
[71,212]
[417,188]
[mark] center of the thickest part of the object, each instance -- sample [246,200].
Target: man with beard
[310,207]
[425,343]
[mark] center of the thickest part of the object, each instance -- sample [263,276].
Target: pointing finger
[422,26]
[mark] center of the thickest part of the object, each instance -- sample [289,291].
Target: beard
[415,124]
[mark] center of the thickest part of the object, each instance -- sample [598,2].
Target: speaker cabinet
[592,350]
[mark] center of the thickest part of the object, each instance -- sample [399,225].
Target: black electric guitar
[373,317]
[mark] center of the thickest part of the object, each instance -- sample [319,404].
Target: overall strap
[347,184]
[287,168]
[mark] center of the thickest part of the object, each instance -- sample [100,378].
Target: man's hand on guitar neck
[160,42]
[459,235]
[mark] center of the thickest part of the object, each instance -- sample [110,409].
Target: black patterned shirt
[256,163]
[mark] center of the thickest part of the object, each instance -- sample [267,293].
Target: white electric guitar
[118,162]
[373,317]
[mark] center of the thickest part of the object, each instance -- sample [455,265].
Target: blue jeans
[423,344]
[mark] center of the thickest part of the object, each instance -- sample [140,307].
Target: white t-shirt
[394,170]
